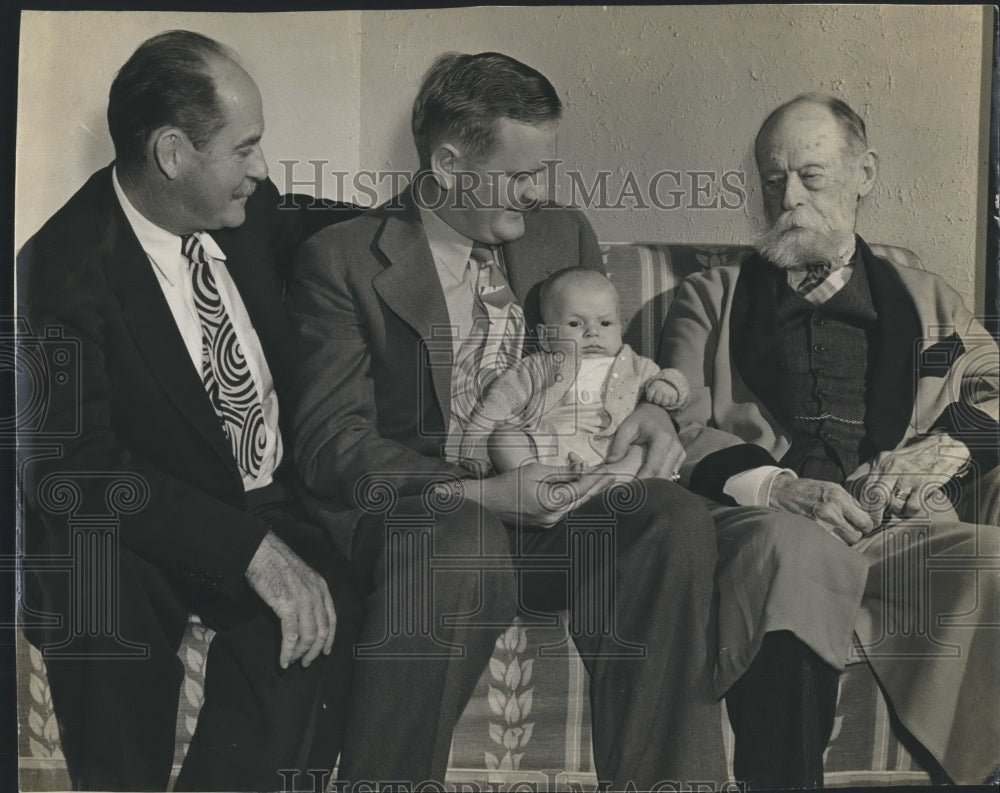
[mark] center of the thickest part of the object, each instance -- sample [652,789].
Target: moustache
[789,221]
[246,192]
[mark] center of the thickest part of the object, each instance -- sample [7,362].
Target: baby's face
[586,314]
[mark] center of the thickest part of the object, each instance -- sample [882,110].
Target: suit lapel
[529,261]
[892,355]
[755,340]
[410,287]
[154,330]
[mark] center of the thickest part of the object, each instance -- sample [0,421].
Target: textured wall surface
[305,64]
[684,89]
[647,90]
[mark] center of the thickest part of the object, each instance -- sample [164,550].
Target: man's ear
[168,144]
[869,172]
[444,164]
[545,336]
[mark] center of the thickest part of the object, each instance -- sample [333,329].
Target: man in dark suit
[840,404]
[405,313]
[160,277]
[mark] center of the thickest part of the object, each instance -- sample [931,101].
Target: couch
[528,720]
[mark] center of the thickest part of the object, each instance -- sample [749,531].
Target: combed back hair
[851,124]
[166,81]
[567,274]
[462,97]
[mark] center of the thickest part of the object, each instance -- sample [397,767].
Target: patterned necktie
[495,302]
[492,344]
[815,275]
[224,370]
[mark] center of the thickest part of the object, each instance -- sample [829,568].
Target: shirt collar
[449,248]
[846,254]
[161,246]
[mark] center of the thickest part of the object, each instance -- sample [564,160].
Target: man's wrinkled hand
[649,426]
[827,503]
[299,596]
[907,476]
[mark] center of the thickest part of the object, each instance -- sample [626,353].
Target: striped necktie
[815,275]
[492,345]
[495,302]
[224,370]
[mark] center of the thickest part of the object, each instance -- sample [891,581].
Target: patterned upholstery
[529,719]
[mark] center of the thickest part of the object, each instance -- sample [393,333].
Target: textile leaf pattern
[510,700]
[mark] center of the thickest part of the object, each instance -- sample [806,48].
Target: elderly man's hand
[907,476]
[827,503]
[652,427]
[299,596]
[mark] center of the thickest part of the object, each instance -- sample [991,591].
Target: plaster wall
[684,89]
[306,65]
[647,90]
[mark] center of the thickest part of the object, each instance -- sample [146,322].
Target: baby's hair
[565,274]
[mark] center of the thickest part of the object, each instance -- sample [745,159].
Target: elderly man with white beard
[843,415]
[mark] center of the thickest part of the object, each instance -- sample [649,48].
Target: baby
[562,406]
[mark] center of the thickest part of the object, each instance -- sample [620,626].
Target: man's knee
[668,526]
[469,529]
[792,542]
[469,561]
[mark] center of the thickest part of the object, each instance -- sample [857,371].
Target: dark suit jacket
[376,388]
[135,403]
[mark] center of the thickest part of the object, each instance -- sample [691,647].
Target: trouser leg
[928,630]
[432,615]
[655,715]
[260,725]
[789,598]
[782,711]
[117,714]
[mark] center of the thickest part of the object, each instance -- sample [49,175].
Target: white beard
[792,247]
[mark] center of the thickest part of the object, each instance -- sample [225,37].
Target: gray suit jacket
[375,387]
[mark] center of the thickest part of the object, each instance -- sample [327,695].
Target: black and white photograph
[502,398]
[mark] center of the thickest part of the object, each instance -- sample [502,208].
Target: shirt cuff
[752,488]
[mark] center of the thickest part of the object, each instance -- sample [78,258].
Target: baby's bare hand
[576,463]
[663,394]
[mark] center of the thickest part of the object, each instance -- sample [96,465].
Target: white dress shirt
[171,268]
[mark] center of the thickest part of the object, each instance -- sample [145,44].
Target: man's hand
[649,426]
[827,503]
[906,476]
[537,494]
[300,598]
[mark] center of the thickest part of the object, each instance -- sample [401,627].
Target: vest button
[818,348]
[820,394]
[817,319]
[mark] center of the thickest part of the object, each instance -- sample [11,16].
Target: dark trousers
[439,588]
[643,617]
[782,711]
[117,716]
